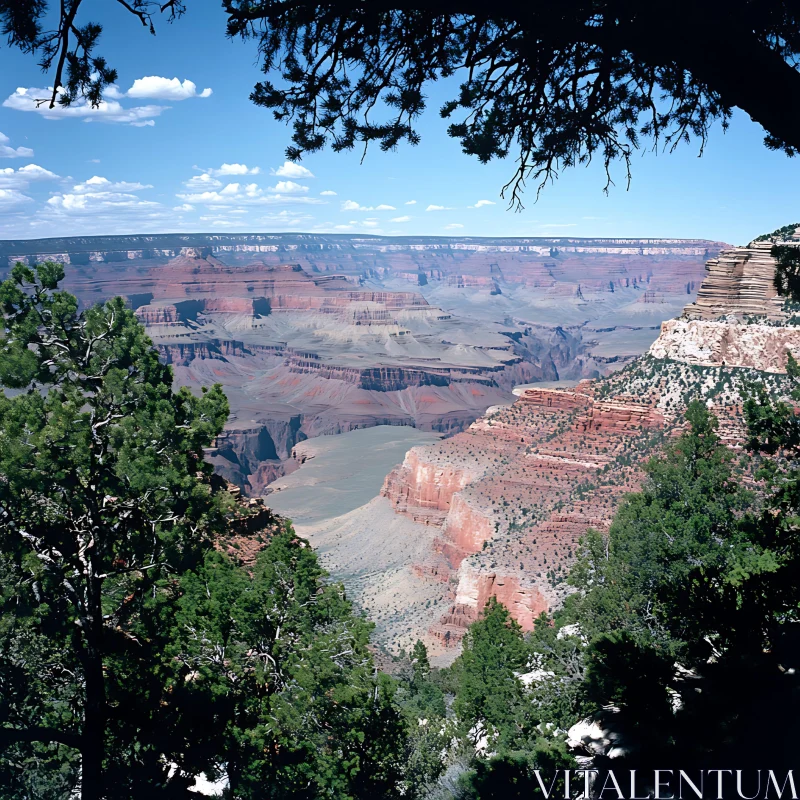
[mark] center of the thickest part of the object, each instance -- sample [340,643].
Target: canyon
[445,419]
[313,334]
[499,509]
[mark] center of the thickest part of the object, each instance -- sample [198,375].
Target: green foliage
[787,271]
[691,597]
[135,656]
[680,639]
[422,697]
[489,692]
[275,667]
[104,496]
[774,434]
[511,775]
[779,234]
[678,564]
[430,733]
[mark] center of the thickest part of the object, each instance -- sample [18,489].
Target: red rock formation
[183,353]
[159,315]
[738,281]
[422,490]
[555,399]
[475,588]
[515,492]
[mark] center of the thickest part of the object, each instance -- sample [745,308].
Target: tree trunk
[94,722]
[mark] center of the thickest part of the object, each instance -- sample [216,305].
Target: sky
[179,147]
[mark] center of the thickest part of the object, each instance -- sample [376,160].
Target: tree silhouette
[552,84]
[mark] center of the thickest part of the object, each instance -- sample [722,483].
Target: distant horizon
[358,235]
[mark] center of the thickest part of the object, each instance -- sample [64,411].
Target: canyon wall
[513,494]
[737,320]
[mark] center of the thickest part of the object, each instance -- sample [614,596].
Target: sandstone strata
[513,494]
[738,319]
[739,281]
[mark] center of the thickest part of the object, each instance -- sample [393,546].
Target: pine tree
[275,667]
[104,498]
[489,691]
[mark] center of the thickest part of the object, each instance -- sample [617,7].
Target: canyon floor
[332,500]
[340,473]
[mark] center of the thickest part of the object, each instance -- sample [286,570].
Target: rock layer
[739,281]
[514,493]
[732,344]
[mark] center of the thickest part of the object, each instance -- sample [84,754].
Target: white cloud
[438,208]
[233,169]
[11,199]
[235,194]
[292,170]
[7,151]
[220,222]
[156,88]
[109,110]
[351,205]
[285,219]
[453,226]
[20,178]
[98,202]
[401,219]
[204,181]
[328,193]
[284,199]
[99,184]
[283,214]
[482,203]
[411,202]
[37,173]
[201,197]
[370,223]
[183,207]
[94,160]
[287,187]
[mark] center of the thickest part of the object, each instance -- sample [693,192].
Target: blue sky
[167,155]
